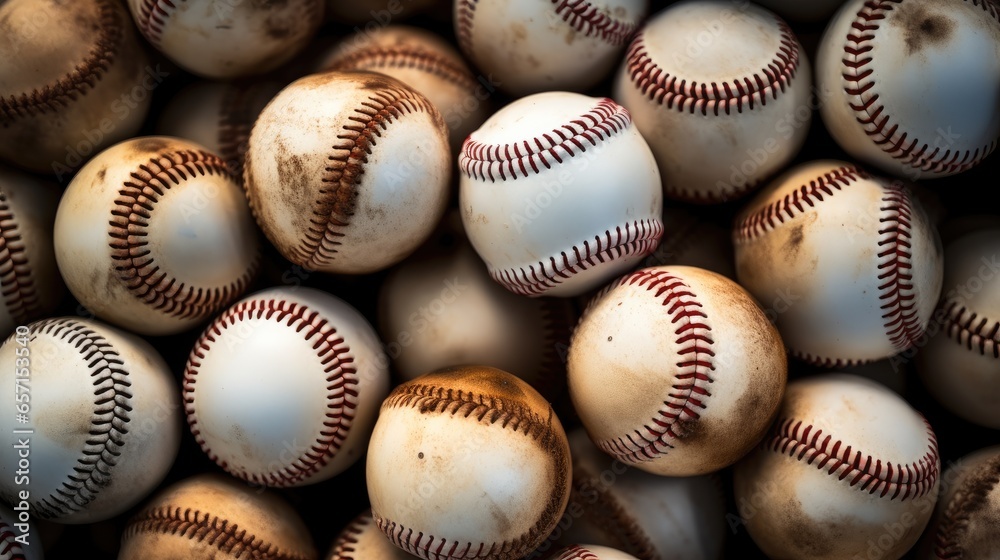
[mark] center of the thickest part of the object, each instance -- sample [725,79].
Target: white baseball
[676,371]
[856,255]
[960,365]
[721,91]
[348,172]
[218,517]
[104,417]
[849,467]
[228,39]
[154,235]
[559,193]
[965,520]
[530,46]
[30,285]
[277,351]
[73,80]
[362,539]
[591,552]
[894,93]
[19,540]
[467,463]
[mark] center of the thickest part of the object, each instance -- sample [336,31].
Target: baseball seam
[689,389]
[802,442]
[409,58]
[639,238]
[9,548]
[206,528]
[134,263]
[611,514]
[344,548]
[577,552]
[897,292]
[971,330]
[968,499]
[331,214]
[17,283]
[108,425]
[341,389]
[874,119]
[84,76]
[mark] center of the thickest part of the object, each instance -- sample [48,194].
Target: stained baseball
[362,539]
[676,371]
[277,351]
[154,235]
[591,552]
[105,415]
[492,453]
[719,80]
[848,466]
[965,520]
[849,260]
[559,193]
[348,172]
[894,95]
[215,516]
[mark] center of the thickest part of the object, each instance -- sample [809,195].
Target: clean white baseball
[849,466]
[893,92]
[153,234]
[676,371]
[559,193]
[104,417]
[960,365]
[590,552]
[228,39]
[348,172]
[530,46]
[721,91]
[493,454]
[966,518]
[856,254]
[30,285]
[19,539]
[277,351]
[362,539]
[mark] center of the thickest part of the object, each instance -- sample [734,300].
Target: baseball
[894,95]
[559,193]
[277,351]
[30,285]
[362,539]
[676,371]
[960,363]
[348,172]
[102,421]
[849,466]
[965,521]
[425,62]
[227,39]
[590,552]
[154,235]
[855,254]
[718,80]
[492,452]
[531,46]
[17,536]
[214,516]
[73,80]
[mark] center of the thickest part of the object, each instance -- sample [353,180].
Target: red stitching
[577,552]
[153,16]
[967,499]
[677,92]
[971,330]
[17,283]
[805,442]
[827,362]
[84,76]
[695,355]
[875,121]
[9,548]
[639,238]
[134,262]
[900,317]
[342,380]
[482,161]
[345,547]
[226,536]
[410,58]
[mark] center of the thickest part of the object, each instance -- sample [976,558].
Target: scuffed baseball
[73,80]
[559,193]
[154,235]
[30,284]
[104,415]
[856,255]
[590,552]
[968,511]
[721,91]
[348,172]
[19,539]
[362,539]
[894,94]
[676,371]
[228,39]
[215,516]
[467,461]
[960,364]
[849,467]
[277,351]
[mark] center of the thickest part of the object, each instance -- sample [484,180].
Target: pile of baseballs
[490,279]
